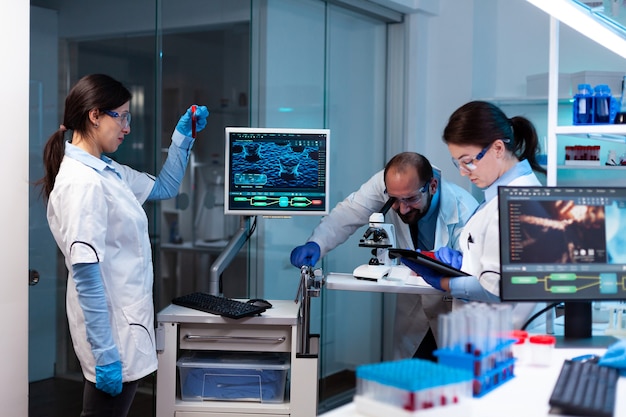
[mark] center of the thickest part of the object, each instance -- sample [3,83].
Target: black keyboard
[221,306]
[585,388]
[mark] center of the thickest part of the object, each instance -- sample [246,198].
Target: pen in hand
[193,121]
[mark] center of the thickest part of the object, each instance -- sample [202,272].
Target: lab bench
[278,330]
[525,395]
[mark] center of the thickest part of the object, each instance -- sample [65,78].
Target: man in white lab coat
[428,213]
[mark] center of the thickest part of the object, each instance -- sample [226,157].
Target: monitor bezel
[274,213]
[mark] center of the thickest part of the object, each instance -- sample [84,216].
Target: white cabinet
[277,330]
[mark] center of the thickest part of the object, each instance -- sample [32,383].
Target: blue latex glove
[307,254]
[184,124]
[109,378]
[615,357]
[452,257]
[431,277]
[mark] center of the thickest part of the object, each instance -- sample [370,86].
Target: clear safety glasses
[469,164]
[415,199]
[124,118]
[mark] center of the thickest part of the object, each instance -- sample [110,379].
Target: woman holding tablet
[492,150]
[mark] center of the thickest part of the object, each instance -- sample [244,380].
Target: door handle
[33,277]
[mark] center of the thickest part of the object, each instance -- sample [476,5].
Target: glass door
[65,47]
[169,58]
[322,66]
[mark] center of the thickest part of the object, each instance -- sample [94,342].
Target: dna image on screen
[274,164]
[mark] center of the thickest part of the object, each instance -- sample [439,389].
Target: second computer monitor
[562,243]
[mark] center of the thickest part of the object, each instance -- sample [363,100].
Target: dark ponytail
[53,153]
[526,142]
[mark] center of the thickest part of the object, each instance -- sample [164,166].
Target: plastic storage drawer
[233,376]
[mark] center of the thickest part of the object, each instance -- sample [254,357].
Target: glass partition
[77,42]
[204,59]
[323,67]
[170,54]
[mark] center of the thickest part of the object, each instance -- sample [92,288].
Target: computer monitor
[563,244]
[276,172]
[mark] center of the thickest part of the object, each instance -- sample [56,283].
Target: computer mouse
[259,302]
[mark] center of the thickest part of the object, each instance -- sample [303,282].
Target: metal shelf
[524,101]
[598,130]
[607,133]
[589,167]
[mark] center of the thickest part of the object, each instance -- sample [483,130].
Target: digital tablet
[434,264]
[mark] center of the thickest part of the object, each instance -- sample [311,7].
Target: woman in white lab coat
[96,217]
[492,150]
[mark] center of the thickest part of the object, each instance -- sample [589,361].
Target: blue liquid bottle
[602,104]
[583,105]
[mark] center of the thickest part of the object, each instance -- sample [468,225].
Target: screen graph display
[562,243]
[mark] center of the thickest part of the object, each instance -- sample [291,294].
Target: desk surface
[282,312]
[526,395]
[340,281]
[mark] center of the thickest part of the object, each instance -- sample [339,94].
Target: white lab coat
[414,313]
[480,244]
[91,204]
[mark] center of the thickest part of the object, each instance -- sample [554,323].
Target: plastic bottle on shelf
[583,105]
[611,159]
[602,104]
[620,117]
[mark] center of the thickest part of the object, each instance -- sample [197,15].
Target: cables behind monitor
[539,313]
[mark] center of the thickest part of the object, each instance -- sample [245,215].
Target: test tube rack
[410,387]
[489,369]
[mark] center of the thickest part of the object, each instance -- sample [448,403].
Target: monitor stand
[578,328]
[230,251]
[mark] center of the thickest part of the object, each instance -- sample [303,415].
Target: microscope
[379,237]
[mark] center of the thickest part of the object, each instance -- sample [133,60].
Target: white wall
[14,66]
[440,59]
